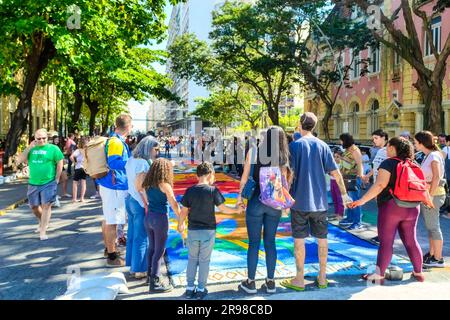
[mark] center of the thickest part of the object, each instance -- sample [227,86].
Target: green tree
[255,45]
[217,109]
[228,105]
[35,36]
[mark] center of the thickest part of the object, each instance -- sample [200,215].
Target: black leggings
[157,227]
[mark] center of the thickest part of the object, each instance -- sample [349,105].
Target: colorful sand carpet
[348,254]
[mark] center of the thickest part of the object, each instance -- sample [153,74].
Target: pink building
[385,97]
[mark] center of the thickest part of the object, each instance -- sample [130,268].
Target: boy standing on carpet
[199,203]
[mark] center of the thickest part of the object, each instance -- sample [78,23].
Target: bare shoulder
[165,187]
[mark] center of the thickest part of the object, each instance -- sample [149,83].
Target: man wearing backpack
[113,188]
[311,160]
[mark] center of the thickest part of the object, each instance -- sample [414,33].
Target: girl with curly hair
[158,184]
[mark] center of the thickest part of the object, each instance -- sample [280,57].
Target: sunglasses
[41,139]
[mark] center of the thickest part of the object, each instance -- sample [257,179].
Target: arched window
[354,120]
[374,122]
[338,122]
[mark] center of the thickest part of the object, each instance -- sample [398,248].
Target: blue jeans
[261,217]
[137,242]
[355,215]
[200,245]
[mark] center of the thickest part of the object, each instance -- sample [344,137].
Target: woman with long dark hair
[158,184]
[391,216]
[433,166]
[260,217]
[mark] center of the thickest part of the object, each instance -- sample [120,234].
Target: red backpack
[410,184]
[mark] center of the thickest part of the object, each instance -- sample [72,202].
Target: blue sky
[137,110]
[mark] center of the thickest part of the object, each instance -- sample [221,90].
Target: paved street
[12,193]
[33,269]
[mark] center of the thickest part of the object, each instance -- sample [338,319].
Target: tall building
[156,115]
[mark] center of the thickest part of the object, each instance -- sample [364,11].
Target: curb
[13,206]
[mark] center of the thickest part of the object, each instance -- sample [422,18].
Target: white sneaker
[57,203]
[140,275]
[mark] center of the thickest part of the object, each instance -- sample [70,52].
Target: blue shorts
[39,195]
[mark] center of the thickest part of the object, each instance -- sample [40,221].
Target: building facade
[43,111]
[156,115]
[385,96]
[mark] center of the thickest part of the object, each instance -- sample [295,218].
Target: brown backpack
[95,163]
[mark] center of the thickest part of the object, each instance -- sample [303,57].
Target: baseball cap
[308,121]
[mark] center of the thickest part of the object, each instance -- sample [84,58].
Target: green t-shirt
[42,161]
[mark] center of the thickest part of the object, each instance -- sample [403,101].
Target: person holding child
[199,202]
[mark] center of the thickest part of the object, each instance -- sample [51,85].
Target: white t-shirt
[79,157]
[133,168]
[426,165]
[446,150]
[366,163]
[379,158]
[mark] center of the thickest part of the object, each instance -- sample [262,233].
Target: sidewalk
[13,194]
[35,270]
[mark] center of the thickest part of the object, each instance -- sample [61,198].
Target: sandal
[419,278]
[374,281]
[288,284]
[321,286]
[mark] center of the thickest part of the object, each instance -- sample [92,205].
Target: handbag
[351,182]
[250,185]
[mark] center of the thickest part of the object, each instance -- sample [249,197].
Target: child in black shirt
[199,204]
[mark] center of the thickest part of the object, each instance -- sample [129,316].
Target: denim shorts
[39,195]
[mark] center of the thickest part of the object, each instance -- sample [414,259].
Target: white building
[156,115]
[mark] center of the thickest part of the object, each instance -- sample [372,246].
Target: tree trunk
[106,121]
[76,111]
[272,111]
[436,119]
[42,52]
[432,98]
[325,120]
[93,108]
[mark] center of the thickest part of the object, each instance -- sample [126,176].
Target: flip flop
[321,286]
[288,284]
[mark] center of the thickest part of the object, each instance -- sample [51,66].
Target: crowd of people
[138,188]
